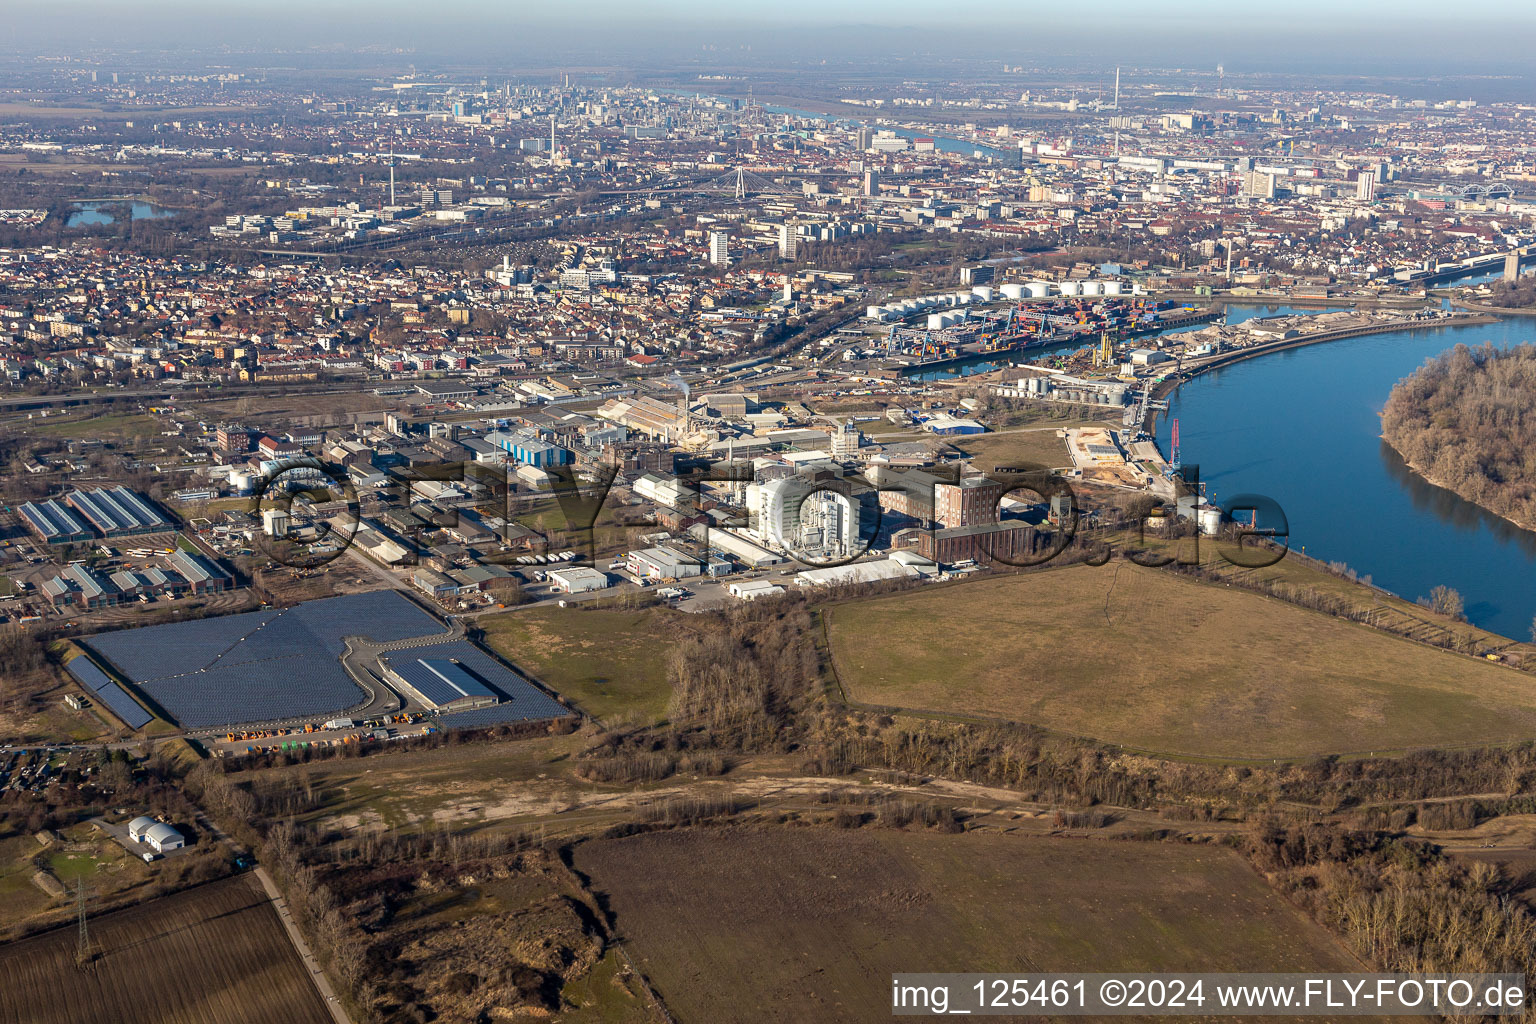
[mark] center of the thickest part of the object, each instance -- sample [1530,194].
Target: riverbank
[1480,307]
[1304,429]
[1433,482]
[1172,383]
[1303,302]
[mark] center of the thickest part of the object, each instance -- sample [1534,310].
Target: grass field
[790,925]
[1148,659]
[611,663]
[209,955]
[1035,445]
[119,425]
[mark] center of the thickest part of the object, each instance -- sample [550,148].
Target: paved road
[362,654]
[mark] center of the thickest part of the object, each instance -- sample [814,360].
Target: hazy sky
[1495,37]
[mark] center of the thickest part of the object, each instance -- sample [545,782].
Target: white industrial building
[792,515]
[157,835]
[662,564]
[663,490]
[162,837]
[752,555]
[855,572]
[578,579]
[275,522]
[751,590]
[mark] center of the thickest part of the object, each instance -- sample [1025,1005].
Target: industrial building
[855,572]
[438,684]
[947,426]
[81,586]
[793,514]
[156,835]
[664,490]
[82,515]
[971,501]
[117,512]
[1009,542]
[649,417]
[54,523]
[530,450]
[749,554]
[661,563]
[751,590]
[202,574]
[578,579]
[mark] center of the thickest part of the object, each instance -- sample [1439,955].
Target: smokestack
[1117,88]
[551,136]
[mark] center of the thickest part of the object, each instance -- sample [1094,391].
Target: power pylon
[83,944]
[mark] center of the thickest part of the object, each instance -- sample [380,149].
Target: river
[1302,427]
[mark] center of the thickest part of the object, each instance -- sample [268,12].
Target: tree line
[1466,420]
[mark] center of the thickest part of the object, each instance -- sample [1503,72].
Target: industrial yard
[355,656]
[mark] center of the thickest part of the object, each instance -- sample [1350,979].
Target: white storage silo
[1112,288]
[1093,287]
[1038,289]
[982,292]
[936,321]
[1013,291]
[1070,288]
[1209,518]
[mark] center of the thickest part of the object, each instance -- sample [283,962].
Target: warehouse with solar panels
[54,523]
[83,515]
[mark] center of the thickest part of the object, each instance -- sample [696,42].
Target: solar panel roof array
[523,700]
[261,666]
[500,714]
[438,679]
[124,706]
[88,672]
[108,692]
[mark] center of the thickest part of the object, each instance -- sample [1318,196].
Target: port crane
[1137,412]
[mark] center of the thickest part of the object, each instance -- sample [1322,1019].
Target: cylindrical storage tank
[1070,288]
[1112,287]
[1093,287]
[982,293]
[1209,518]
[1013,291]
[242,481]
[875,312]
[936,321]
[1038,289]
[961,298]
